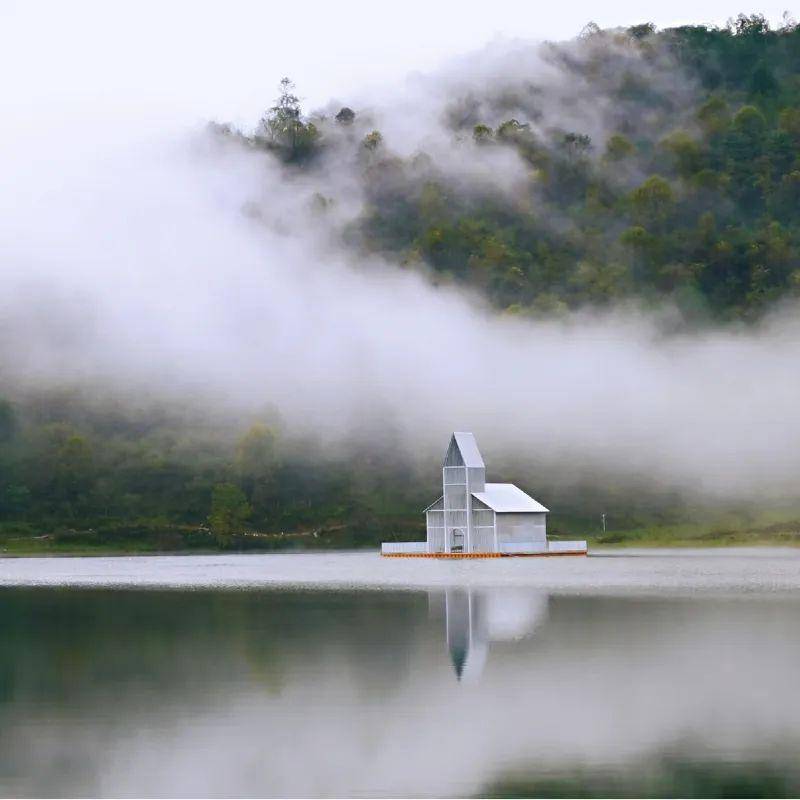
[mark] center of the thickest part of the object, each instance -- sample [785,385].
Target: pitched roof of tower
[469,449]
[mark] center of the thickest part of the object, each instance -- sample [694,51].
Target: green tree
[789,123]
[372,141]
[576,145]
[714,116]
[229,510]
[763,81]
[619,147]
[512,130]
[642,31]
[15,500]
[750,122]
[284,127]
[345,116]
[652,202]
[754,26]
[8,423]
[686,151]
[60,464]
[482,134]
[256,465]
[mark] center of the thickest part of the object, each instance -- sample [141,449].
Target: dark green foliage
[81,474]
[372,141]
[345,116]
[229,510]
[153,480]
[7,421]
[688,195]
[283,129]
[669,776]
[699,210]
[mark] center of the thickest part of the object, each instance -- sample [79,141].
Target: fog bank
[170,266]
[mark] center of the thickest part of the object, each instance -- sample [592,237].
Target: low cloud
[184,268]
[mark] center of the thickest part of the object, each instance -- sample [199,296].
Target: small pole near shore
[603,516]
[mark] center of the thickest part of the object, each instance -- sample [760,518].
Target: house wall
[458,483]
[483,539]
[434,520]
[527,527]
[435,539]
[456,514]
[435,531]
[455,486]
[477,479]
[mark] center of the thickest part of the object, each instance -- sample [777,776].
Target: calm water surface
[687,685]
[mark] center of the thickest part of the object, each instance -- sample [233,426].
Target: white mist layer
[128,264]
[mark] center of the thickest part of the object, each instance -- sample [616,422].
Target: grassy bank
[162,538]
[768,528]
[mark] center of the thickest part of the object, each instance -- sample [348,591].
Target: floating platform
[506,550]
[486,555]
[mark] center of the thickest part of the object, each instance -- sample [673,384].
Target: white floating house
[475,518]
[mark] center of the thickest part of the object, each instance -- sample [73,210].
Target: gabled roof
[469,449]
[505,497]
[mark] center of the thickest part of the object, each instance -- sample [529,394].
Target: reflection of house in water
[476,617]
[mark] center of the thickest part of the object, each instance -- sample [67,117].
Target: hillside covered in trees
[656,166]
[642,167]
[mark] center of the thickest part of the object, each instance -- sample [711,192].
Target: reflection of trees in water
[60,645]
[476,617]
[165,675]
[294,692]
[660,776]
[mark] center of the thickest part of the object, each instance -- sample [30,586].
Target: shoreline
[633,544]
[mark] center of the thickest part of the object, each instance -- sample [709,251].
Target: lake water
[650,673]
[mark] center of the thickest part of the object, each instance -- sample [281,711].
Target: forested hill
[638,166]
[627,164]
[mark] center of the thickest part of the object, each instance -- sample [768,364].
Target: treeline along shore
[87,477]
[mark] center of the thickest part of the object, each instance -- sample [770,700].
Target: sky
[179,62]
